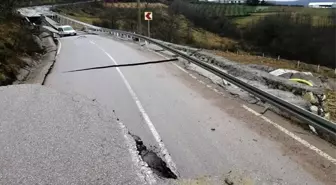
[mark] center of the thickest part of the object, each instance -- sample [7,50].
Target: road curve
[204,132]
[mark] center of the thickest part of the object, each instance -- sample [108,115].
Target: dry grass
[8,32]
[304,10]
[319,15]
[210,40]
[287,64]
[331,104]
[245,58]
[254,17]
[85,19]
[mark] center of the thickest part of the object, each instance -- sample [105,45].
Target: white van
[66,31]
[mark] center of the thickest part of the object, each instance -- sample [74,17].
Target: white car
[66,31]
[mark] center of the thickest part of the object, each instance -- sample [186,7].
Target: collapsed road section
[206,133]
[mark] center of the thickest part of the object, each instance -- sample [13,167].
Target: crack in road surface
[157,137]
[124,65]
[158,165]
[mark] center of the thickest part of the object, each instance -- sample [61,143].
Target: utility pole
[139,17]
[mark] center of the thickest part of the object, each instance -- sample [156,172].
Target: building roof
[321,3]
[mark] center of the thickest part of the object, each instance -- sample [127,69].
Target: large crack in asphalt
[124,65]
[158,165]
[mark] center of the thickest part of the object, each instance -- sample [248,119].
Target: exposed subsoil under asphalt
[149,156]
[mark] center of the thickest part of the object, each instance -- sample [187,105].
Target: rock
[280,87]
[225,83]
[325,107]
[313,109]
[287,75]
[330,84]
[261,67]
[309,96]
[327,116]
[312,129]
[28,61]
[315,80]
[229,181]
[320,111]
[44,34]
[38,46]
[23,73]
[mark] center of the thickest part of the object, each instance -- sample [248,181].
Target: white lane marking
[146,174]
[192,76]
[149,123]
[178,66]
[303,142]
[59,47]
[292,135]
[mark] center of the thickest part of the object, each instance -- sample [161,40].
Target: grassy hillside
[134,5]
[168,27]
[320,15]
[245,14]
[215,9]
[44,2]
[15,41]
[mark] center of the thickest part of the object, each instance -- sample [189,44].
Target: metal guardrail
[298,112]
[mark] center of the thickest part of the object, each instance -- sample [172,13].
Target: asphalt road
[48,137]
[204,132]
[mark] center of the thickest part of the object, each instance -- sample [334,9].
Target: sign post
[148,17]
[148,29]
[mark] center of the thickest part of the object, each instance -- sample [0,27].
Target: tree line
[209,21]
[292,35]
[164,27]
